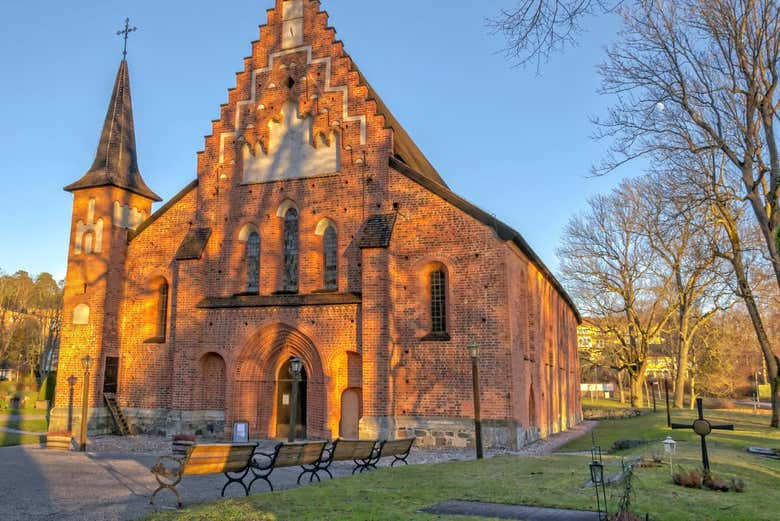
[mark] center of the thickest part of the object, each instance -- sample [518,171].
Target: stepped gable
[299,80]
[115,162]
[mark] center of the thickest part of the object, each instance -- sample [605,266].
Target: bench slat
[397,447]
[217,458]
[293,454]
[347,450]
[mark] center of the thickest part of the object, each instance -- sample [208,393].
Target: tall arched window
[253,263]
[290,275]
[438,301]
[330,258]
[162,310]
[157,310]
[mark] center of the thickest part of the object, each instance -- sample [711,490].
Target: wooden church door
[350,414]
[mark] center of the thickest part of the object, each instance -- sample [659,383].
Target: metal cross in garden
[703,427]
[126,33]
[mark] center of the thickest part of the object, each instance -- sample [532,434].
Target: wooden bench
[202,459]
[397,449]
[361,452]
[296,454]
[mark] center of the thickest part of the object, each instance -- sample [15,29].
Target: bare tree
[535,29]
[698,79]
[610,266]
[684,240]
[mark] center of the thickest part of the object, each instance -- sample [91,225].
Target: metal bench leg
[239,480]
[264,478]
[169,486]
[400,458]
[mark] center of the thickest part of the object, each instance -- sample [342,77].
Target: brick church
[317,229]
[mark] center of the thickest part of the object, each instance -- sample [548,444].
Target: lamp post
[597,477]
[670,447]
[86,363]
[474,352]
[295,366]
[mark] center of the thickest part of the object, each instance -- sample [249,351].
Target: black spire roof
[116,163]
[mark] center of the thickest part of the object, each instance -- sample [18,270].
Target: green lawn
[557,480]
[25,423]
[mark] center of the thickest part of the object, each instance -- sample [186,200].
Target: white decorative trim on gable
[328,88]
[126,217]
[292,26]
[291,151]
[89,235]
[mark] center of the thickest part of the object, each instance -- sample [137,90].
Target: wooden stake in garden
[703,427]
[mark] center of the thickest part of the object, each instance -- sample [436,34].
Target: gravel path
[158,446]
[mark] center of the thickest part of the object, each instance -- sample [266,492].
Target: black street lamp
[86,363]
[597,477]
[474,352]
[295,366]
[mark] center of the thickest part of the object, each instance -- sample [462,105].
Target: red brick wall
[229,358]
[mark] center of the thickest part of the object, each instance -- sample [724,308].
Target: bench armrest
[168,472]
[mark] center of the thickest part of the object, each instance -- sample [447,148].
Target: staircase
[122,427]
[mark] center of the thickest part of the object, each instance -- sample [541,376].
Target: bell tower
[110,199]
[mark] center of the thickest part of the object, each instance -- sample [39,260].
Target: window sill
[155,340]
[246,293]
[436,337]
[285,292]
[333,290]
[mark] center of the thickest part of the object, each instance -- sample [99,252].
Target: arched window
[330,258]
[253,263]
[157,310]
[290,275]
[438,291]
[162,310]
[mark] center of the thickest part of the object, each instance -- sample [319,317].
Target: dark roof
[267,301]
[404,147]
[503,231]
[116,163]
[377,231]
[193,244]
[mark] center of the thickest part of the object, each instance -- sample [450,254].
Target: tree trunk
[636,391]
[693,392]
[621,392]
[682,369]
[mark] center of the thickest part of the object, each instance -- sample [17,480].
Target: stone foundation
[160,422]
[449,432]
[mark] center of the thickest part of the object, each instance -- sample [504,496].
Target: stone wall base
[160,422]
[449,432]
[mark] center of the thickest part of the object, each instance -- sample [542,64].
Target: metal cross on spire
[126,33]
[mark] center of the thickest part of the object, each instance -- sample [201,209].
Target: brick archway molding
[254,380]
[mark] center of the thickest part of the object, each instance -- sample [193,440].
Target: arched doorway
[350,414]
[284,385]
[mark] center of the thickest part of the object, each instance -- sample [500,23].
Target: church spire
[115,161]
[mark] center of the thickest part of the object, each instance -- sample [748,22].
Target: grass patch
[553,481]
[21,423]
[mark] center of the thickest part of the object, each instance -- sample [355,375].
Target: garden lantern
[670,447]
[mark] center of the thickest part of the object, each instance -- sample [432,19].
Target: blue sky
[513,142]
